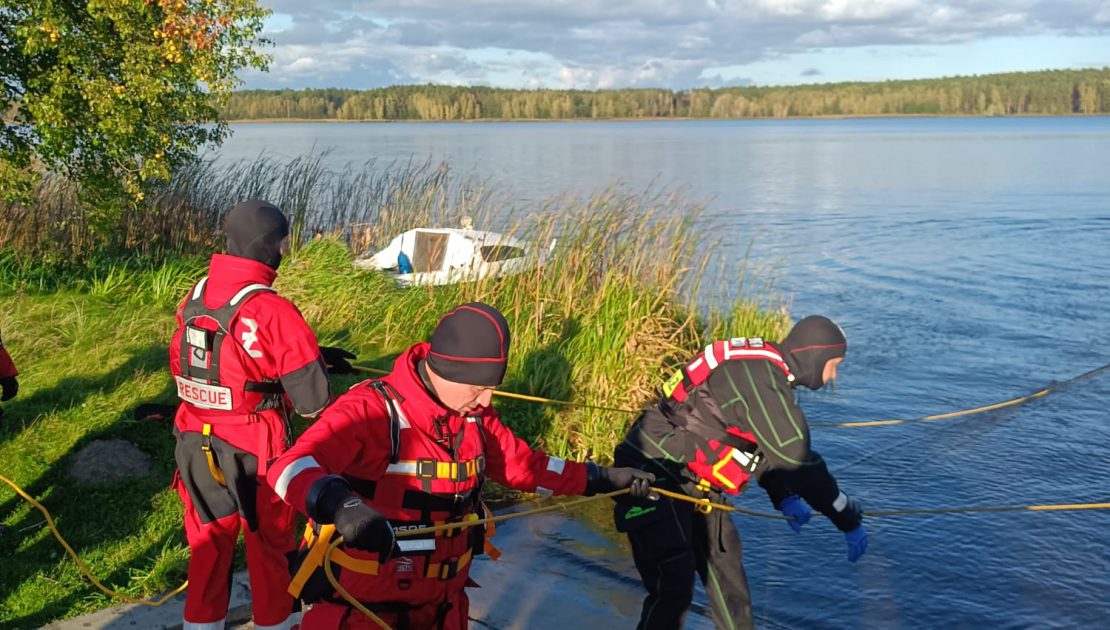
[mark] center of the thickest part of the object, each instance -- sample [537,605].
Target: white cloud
[590,44]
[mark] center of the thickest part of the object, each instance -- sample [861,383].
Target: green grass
[603,322]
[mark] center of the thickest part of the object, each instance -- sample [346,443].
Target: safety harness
[729,456]
[317,537]
[199,383]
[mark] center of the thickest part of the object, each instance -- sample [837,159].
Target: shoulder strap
[394,419]
[194,306]
[697,371]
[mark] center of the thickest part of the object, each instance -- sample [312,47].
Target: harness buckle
[426,468]
[206,444]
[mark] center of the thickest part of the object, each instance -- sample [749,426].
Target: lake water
[967,260]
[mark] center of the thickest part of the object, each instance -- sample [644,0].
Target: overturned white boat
[438,256]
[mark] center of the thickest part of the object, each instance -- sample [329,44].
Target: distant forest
[1045,92]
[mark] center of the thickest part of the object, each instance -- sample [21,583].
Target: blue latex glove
[797,510]
[857,543]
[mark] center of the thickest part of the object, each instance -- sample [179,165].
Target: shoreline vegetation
[87,314]
[249,121]
[1041,93]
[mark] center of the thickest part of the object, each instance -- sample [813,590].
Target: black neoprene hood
[809,346]
[471,345]
[255,229]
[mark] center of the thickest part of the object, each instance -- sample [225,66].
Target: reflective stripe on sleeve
[292,470]
[544,492]
[841,502]
[556,465]
[710,358]
[401,468]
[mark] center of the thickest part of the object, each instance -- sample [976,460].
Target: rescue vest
[219,380]
[724,457]
[423,485]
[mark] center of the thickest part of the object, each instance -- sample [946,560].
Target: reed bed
[615,304]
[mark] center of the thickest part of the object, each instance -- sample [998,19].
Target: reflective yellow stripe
[213,468]
[444,470]
[717,473]
[368,567]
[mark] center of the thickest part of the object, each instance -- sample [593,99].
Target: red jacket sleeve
[511,462]
[273,332]
[350,437]
[7,366]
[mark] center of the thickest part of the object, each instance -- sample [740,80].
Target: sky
[677,44]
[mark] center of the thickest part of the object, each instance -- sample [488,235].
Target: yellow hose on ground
[80,564]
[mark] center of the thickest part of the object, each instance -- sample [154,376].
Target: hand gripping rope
[703,504]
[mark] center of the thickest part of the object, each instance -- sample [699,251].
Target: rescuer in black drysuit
[729,414]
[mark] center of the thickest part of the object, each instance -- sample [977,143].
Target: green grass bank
[619,302]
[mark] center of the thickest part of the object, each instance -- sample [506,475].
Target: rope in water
[867,423]
[702,503]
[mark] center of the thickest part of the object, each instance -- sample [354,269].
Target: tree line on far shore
[1049,92]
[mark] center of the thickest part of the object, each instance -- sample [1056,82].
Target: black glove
[364,528]
[336,359]
[602,479]
[10,386]
[331,500]
[154,411]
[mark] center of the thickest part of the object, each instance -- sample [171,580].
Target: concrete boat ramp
[557,571]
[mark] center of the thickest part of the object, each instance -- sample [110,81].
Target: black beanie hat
[471,345]
[255,230]
[809,346]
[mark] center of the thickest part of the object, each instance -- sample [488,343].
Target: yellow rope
[867,423]
[80,564]
[535,399]
[939,416]
[357,605]
[564,506]
[1059,507]
[674,495]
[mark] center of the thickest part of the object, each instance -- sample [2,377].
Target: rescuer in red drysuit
[242,358]
[410,450]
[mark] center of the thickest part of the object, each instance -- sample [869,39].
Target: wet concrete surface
[558,570]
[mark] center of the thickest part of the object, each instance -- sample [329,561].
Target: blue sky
[671,43]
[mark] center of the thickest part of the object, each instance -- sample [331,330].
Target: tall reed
[619,301]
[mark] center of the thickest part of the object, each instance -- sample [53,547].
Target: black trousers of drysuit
[674,542]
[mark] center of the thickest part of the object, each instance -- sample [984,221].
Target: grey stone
[109,460]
